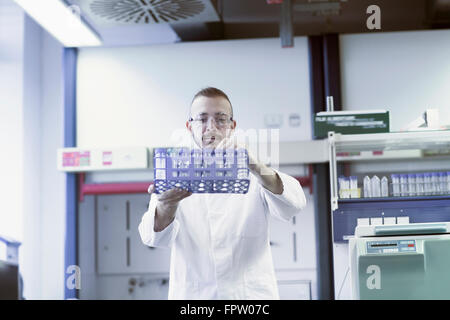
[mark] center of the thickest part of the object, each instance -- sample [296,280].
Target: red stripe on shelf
[142,187]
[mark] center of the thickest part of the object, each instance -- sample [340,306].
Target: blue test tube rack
[201,170]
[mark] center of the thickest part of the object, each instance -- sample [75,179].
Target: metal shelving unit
[430,140]
[423,140]
[345,212]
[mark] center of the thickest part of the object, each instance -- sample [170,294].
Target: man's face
[210,121]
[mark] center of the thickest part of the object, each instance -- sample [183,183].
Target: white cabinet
[119,246]
[294,289]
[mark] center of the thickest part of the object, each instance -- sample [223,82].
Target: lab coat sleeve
[149,237]
[290,202]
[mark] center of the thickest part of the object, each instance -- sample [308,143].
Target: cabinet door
[145,259]
[294,290]
[284,243]
[293,242]
[119,246]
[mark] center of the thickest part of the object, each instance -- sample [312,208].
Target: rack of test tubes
[421,184]
[201,170]
[401,185]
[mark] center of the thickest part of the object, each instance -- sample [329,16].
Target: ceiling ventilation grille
[147,11]
[115,12]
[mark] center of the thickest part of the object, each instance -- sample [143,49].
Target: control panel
[391,246]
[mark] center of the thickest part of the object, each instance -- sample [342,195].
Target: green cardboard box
[351,122]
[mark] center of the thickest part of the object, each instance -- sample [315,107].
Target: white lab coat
[220,242]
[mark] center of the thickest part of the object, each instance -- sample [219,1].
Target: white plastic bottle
[367,185]
[354,187]
[376,187]
[341,182]
[384,187]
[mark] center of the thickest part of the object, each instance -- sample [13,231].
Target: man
[220,242]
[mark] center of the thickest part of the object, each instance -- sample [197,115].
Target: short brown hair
[211,92]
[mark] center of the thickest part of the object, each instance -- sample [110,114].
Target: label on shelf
[81,160]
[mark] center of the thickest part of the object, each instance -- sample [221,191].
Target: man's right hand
[167,205]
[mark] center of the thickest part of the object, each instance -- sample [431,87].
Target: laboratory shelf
[353,145]
[414,209]
[393,199]
[411,140]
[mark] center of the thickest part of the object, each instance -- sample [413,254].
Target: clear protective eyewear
[220,120]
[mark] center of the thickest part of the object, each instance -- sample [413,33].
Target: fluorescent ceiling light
[62,21]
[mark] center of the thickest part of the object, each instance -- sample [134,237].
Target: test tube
[241,158]
[344,185]
[354,187]
[427,183]
[442,183]
[185,155]
[384,187]
[197,158]
[448,182]
[395,185]
[411,184]
[219,157]
[403,185]
[208,158]
[434,183]
[419,184]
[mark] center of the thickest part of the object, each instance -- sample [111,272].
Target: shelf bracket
[333,170]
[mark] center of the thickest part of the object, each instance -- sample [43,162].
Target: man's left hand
[265,175]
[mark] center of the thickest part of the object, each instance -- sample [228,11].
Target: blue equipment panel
[201,170]
[418,209]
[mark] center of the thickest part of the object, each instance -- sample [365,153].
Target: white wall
[44,186]
[52,183]
[31,250]
[403,72]
[32,192]
[11,122]
[138,96]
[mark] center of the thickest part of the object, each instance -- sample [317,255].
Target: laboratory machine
[403,261]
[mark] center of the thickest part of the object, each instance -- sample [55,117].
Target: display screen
[374,245]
